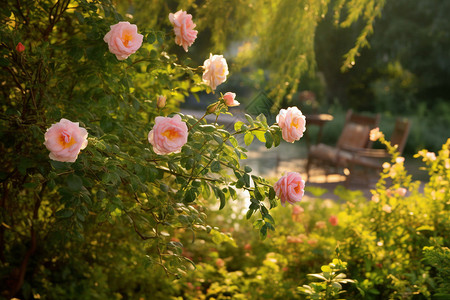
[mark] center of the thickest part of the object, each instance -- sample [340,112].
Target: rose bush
[131,188]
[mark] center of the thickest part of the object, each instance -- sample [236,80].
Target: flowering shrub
[146,172]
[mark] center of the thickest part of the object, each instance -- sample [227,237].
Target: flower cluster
[65,139]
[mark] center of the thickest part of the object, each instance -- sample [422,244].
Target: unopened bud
[20,47]
[161,101]
[212,108]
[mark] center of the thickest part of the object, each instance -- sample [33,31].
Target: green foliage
[439,258]
[331,280]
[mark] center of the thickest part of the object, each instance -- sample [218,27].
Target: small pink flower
[168,135]
[375,134]
[229,99]
[292,123]
[183,27]
[123,40]
[376,198]
[296,210]
[431,156]
[161,101]
[401,192]
[400,160]
[333,220]
[20,47]
[64,140]
[386,165]
[215,71]
[312,242]
[220,263]
[386,208]
[290,188]
[321,224]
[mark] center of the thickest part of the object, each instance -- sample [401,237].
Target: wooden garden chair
[354,135]
[367,160]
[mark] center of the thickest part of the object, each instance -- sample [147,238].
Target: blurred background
[325,59]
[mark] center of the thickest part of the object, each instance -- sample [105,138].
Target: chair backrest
[400,133]
[356,130]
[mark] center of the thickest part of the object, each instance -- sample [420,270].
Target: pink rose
[215,70]
[333,220]
[20,47]
[183,28]
[123,40]
[65,139]
[229,99]
[292,123]
[290,188]
[168,135]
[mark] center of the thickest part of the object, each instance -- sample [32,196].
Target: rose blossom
[290,188]
[216,70]
[20,47]
[64,140]
[183,28]
[229,99]
[333,220]
[168,135]
[292,123]
[123,40]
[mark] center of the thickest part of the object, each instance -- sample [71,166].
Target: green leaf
[233,141]
[260,135]
[318,276]
[151,38]
[64,213]
[248,138]
[215,166]
[238,125]
[249,119]
[269,139]
[207,128]
[247,169]
[79,17]
[74,182]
